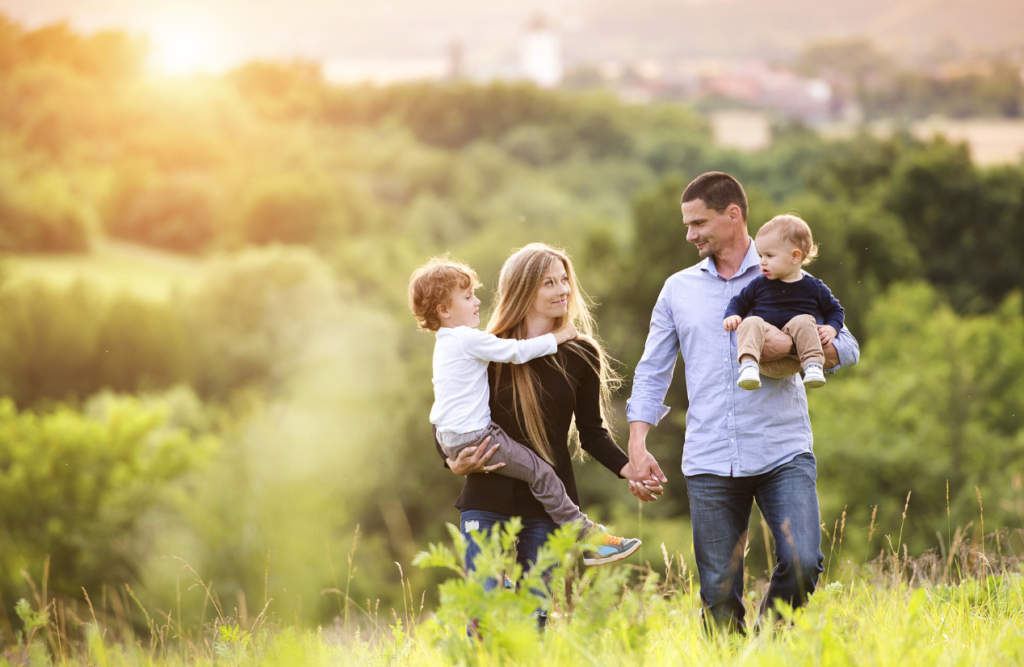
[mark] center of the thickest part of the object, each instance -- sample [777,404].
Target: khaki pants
[802,329]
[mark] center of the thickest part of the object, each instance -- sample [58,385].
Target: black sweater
[559,401]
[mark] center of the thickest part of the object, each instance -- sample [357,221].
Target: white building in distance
[540,54]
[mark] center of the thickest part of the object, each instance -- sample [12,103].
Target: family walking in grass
[747,320]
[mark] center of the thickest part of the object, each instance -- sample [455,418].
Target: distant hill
[594,29]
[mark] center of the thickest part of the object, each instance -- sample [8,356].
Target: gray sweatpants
[520,463]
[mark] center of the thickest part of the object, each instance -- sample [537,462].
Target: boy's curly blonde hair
[432,285]
[792,229]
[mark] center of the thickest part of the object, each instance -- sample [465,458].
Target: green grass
[976,623]
[113,265]
[893,611]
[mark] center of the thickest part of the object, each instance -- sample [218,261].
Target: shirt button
[730,414]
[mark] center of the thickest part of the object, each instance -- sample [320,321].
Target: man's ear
[735,214]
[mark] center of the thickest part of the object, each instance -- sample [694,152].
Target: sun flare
[182,48]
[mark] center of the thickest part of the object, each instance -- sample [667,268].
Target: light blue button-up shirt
[729,431]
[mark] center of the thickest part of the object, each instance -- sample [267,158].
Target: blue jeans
[534,534]
[720,512]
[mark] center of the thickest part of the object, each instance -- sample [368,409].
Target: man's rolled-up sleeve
[848,349]
[654,371]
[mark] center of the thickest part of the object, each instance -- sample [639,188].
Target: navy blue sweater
[777,302]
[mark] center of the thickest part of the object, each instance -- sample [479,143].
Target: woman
[535,403]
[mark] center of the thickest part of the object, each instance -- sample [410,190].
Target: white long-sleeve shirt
[461,355]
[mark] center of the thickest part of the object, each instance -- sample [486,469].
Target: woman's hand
[648,488]
[474,459]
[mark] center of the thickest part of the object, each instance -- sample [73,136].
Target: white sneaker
[814,377]
[750,377]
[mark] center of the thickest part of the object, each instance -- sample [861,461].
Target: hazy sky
[594,30]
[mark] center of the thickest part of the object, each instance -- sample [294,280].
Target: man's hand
[644,473]
[777,345]
[732,322]
[826,332]
[474,459]
[566,333]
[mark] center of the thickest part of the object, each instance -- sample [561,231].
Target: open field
[112,265]
[857,620]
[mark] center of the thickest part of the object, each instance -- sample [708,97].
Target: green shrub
[73,487]
[39,215]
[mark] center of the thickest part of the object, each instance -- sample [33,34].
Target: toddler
[786,297]
[441,296]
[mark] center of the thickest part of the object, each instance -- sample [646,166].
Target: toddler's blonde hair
[432,285]
[792,229]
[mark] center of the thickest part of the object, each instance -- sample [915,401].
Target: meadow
[206,357]
[961,607]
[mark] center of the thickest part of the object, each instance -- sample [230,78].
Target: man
[740,445]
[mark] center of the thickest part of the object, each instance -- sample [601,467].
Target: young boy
[441,296]
[786,297]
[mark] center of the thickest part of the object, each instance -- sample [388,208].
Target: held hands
[566,333]
[645,477]
[732,322]
[644,473]
[826,332]
[474,459]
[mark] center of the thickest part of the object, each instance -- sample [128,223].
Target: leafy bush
[73,488]
[504,618]
[38,215]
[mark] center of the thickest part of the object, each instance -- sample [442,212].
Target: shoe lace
[611,539]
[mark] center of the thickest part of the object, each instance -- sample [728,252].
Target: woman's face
[552,300]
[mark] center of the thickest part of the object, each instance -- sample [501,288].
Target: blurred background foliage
[205,350]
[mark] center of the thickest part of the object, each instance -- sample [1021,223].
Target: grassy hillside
[114,266]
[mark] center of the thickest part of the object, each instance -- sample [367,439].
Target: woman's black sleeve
[594,437]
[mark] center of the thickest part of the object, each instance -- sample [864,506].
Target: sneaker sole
[749,384]
[814,384]
[591,562]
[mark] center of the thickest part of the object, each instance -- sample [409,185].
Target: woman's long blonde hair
[518,283]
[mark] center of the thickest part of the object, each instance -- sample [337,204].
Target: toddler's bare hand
[826,332]
[732,322]
[567,332]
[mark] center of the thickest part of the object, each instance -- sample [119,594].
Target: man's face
[708,229]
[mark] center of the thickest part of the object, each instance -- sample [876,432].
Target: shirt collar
[751,259]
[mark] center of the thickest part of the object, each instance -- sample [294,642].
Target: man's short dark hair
[718,191]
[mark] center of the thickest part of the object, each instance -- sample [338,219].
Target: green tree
[964,221]
[936,397]
[173,213]
[73,488]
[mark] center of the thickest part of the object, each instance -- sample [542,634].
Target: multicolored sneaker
[609,549]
